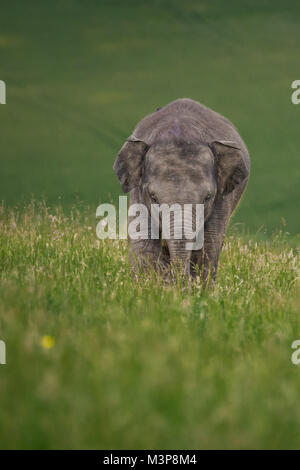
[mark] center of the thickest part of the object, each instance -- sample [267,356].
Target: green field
[80,75]
[95,357]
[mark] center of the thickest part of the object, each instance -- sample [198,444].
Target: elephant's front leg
[206,260]
[213,245]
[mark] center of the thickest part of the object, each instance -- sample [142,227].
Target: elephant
[182,153]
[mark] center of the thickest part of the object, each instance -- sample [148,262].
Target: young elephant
[185,153]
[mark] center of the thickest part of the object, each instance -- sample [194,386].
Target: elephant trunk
[180,239]
[180,257]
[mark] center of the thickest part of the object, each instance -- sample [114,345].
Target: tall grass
[97,358]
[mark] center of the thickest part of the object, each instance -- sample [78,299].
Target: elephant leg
[215,229]
[213,245]
[207,259]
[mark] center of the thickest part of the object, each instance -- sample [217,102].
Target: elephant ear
[128,164]
[231,168]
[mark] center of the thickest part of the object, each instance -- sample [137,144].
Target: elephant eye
[154,199]
[207,198]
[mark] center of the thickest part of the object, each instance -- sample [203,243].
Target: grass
[99,359]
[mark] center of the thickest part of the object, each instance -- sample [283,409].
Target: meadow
[97,358]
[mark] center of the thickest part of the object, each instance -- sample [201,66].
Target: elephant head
[181,172]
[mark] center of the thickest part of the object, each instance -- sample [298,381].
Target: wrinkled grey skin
[185,153]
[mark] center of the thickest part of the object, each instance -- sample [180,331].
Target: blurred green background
[81,74]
